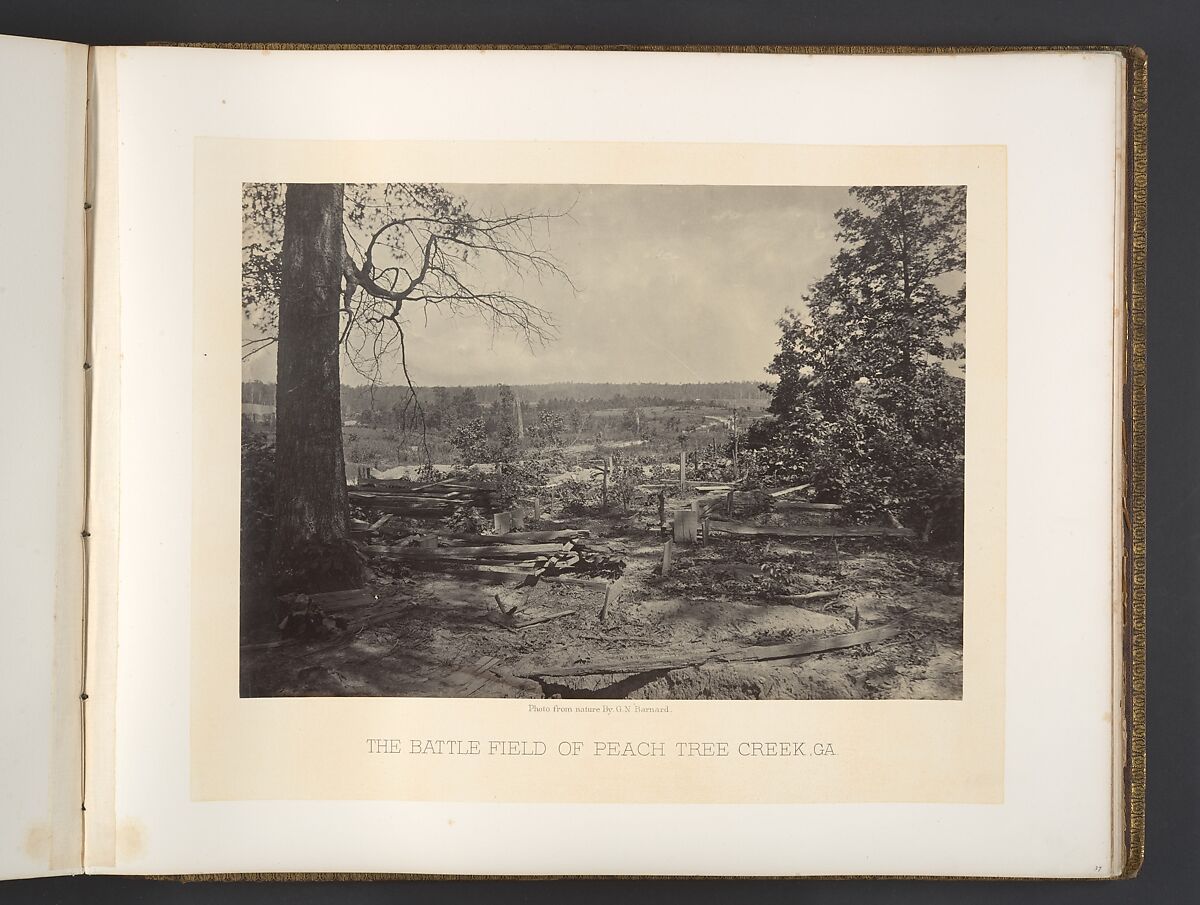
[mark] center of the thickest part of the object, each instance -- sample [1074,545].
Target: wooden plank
[502,522]
[518,537]
[498,570]
[668,551]
[724,527]
[549,618]
[790,490]
[389,504]
[375,494]
[527,551]
[805,506]
[336,602]
[724,655]
[380,522]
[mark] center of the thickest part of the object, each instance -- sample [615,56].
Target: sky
[672,284]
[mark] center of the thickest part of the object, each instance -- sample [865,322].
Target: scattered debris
[542,619]
[311,623]
[692,604]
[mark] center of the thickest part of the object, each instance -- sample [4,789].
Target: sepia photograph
[690,442]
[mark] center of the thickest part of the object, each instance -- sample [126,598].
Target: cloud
[675,284]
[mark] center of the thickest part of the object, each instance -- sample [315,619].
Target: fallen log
[723,655]
[725,527]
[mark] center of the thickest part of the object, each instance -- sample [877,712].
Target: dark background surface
[1168,31]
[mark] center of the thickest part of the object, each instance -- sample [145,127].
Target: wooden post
[611,595]
[668,551]
[502,522]
[662,512]
[729,504]
[604,487]
[518,518]
[682,469]
[535,508]
[704,531]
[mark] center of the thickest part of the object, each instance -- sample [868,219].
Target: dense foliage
[869,404]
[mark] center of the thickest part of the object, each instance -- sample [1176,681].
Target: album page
[43,90]
[613,463]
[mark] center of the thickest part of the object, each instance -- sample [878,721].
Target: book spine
[103,501]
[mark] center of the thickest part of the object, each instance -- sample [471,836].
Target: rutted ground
[431,634]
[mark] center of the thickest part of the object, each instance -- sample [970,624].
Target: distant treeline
[554,395]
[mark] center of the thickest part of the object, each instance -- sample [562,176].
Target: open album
[572,462]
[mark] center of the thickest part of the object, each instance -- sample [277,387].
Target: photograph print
[603,441]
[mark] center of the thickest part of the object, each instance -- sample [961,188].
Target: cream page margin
[945,751]
[1057,116]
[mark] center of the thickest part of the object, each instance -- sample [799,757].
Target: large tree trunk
[311,550]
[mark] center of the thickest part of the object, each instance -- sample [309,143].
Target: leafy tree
[865,406]
[476,445]
[549,428]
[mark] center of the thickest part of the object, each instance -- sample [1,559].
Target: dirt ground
[426,634]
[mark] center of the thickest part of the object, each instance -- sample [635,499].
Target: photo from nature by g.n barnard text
[603,441]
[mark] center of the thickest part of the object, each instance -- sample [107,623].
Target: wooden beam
[805,506]
[466,567]
[491,551]
[522,625]
[789,490]
[520,537]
